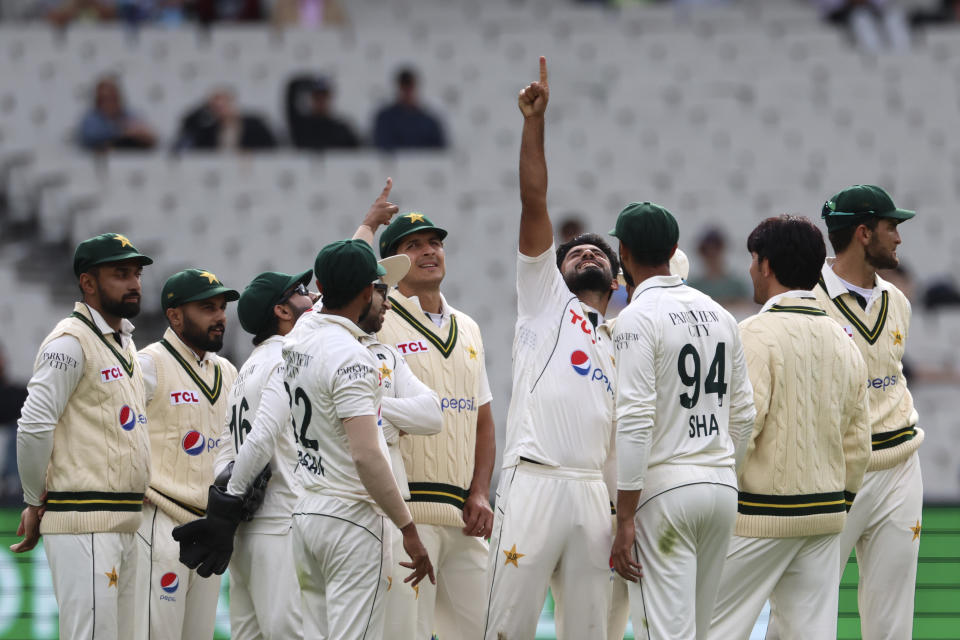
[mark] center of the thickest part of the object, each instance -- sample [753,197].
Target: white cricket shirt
[684,405]
[330,377]
[257,432]
[561,408]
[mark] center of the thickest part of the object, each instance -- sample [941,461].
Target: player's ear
[175,318]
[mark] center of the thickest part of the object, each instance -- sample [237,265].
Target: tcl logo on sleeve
[111,374]
[416,346]
[184,397]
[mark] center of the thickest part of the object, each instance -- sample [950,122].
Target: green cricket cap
[191,285]
[107,247]
[855,204]
[255,307]
[646,228]
[345,267]
[402,226]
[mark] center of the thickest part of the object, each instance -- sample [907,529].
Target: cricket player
[552,523]
[808,450]
[449,473]
[885,520]
[187,387]
[82,446]
[684,413]
[264,594]
[341,542]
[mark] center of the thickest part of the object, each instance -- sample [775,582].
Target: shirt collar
[444,307]
[346,323]
[803,294]
[171,336]
[126,327]
[836,288]
[656,282]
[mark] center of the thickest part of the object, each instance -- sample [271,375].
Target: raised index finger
[386,190]
[543,70]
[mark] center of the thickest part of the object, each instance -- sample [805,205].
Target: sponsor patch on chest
[184,397]
[111,374]
[414,346]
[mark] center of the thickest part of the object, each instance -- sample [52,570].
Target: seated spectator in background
[311,123]
[876,25]
[210,11]
[66,11]
[110,125]
[942,11]
[12,397]
[570,228]
[168,13]
[218,125]
[714,279]
[308,13]
[405,124]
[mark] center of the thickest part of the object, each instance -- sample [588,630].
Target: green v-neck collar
[127,365]
[211,393]
[444,346]
[871,335]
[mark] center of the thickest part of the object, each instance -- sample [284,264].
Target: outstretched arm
[379,214]
[536,231]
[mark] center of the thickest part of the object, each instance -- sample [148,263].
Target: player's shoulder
[896,295]
[464,320]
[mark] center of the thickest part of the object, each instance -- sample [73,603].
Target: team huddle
[668,465]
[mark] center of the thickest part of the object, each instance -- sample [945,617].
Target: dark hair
[794,247]
[841,238]
[589,238]
[406,78]
[269,329]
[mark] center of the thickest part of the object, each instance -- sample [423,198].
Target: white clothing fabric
[108,561]
[258,394]
[264,592]
[788,571]
[455,606]
[407,405]
[684,400]
[342,553]
[178,604]
[561,408]
[836,286]
[682,539]
[54,381]
[551,528]
[484,395]
[149,368]
[331,377]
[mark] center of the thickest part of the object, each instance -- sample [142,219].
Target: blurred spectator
[308,13]
[900,277]
[110,124]
[218,124]
[405,124]
[714,280]
[12,397]
[942,292]
[66,11]
[310,120]
[210,11]
[171,13]
[943,11]
[570,228]
[876,25]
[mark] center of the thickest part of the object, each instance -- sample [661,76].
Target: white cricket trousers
[791,573]
[682,539]
[178,604]
[264,593]
[342,553]
[551,528]
[453,608]
[94,581]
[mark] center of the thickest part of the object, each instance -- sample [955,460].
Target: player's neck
[115,322]
[197,352]
[854,269]
[640,273]
[595,300]
[428,296]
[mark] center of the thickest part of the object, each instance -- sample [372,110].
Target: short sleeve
[355,384]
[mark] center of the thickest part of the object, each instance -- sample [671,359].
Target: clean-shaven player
[884,523]
[186,386]
[82,446]
[808,450]
[684,414]
[342,543]
[552,521]
[264,594]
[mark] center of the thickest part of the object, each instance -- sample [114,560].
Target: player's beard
[126,307]
[877,259]
[200,338]
[590,279]
[364,316]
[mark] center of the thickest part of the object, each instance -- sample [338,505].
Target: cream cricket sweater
[101,453]
[186,416]
[448,360]
[811,438]
[880,332]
